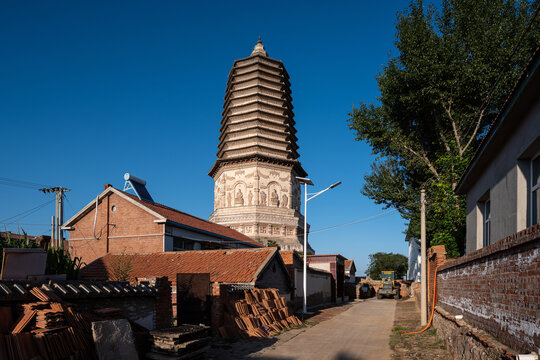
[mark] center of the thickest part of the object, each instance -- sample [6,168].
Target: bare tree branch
[477,126]
[424,159]
[454,127]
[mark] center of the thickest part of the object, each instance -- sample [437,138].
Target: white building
[415,259]
[502,181]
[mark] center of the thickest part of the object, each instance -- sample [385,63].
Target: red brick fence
[496,289]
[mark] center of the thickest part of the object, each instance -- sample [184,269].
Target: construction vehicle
[389,287]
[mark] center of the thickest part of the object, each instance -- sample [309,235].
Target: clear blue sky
[90,90]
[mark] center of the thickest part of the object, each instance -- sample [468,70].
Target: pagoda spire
[259,48]
[258,118]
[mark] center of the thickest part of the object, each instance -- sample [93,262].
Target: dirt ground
[221,349]
[426,345]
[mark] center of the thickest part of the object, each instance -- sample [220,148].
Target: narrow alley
[360,333]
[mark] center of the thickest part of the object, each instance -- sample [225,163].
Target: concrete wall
[319,287]
[497,289]
[504,180]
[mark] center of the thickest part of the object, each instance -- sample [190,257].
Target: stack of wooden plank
[46,329]
[261,312]
[182,342]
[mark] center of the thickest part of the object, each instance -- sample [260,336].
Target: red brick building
[335,264]
[126,224]
[350,271]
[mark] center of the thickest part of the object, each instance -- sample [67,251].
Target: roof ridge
[167,207]
[217,229]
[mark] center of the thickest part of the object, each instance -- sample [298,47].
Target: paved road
[360,333]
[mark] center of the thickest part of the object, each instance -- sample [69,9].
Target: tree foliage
[380,261]
[437,98]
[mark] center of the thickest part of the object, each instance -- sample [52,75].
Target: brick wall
[163,303]
[436,255]
[219,294]
[128,229]
[497,289]
[467,343]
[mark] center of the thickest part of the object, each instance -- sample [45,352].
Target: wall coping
[525,236]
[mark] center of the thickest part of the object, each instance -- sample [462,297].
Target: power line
[26,213]
[20,183]
[354,222]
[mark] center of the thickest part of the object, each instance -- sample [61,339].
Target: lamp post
[307,182]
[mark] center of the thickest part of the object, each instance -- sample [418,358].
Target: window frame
[486,222]
[533,188]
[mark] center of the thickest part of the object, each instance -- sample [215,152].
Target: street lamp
[307,182]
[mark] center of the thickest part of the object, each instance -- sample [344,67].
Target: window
[535,190]
[180,244]
[486,219]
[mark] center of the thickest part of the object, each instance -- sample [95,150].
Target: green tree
[380,261]
[437,98]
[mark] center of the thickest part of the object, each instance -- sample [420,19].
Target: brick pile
[48,329]
[181,342]
[260,313]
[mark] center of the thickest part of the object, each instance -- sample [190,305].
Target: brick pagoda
[256,191]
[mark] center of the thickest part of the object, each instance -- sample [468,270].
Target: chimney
[107,186]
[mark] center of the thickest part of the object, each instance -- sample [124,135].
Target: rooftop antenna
[138,185]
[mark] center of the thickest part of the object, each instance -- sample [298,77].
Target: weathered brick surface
[129,229]
[163,303]
[436,256]
[465,342]
[497,289]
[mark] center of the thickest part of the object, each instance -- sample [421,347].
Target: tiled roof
[227,266]
[194,222]
[72,289]
[288,256]
[348,264]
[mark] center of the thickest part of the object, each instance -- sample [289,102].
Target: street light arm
[322,191]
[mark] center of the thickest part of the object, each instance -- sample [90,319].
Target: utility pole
[423,291]
[57,236]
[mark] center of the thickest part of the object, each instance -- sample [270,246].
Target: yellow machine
[389,287]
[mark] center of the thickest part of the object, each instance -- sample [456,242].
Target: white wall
[322,266]
[415,259]
[505,179]
[317,283]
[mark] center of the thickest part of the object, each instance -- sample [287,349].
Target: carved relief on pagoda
[257,185]
[239,191]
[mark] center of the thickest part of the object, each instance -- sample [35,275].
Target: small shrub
[121,268]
